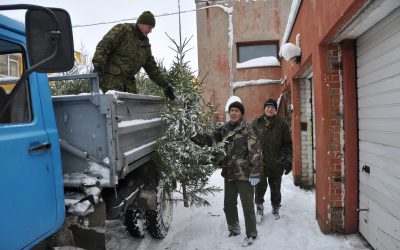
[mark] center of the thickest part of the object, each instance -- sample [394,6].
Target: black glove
[288,168]
[169,93]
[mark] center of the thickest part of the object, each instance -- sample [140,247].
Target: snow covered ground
[205,228]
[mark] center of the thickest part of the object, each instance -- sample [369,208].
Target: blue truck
[69,163]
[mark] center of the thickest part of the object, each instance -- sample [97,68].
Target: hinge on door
[362,209]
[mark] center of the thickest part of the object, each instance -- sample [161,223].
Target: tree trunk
[185,198]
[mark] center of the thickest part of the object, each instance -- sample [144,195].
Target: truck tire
[158,220]
[134,223]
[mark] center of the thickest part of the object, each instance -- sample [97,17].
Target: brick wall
[336,190]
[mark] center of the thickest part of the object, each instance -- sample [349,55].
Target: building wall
[307,162]
[217,50]
[318,22]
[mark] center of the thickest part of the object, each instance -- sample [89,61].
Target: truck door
[30,178]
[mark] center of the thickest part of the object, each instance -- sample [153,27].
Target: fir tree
[146,86]
[186,163]
[82,65]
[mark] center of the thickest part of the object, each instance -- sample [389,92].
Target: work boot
[234,229]
[248,241]
[233,233]
[259,213]
[275,212]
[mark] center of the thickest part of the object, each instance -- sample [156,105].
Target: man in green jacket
[241,168]
[276,143]
[123,51]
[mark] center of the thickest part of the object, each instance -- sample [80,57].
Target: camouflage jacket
[276,143]
[243,153]
[120,55]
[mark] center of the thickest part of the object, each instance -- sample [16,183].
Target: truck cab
[31,185]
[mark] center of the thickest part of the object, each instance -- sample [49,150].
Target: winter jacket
[243,153]
[276,144]
[120,55]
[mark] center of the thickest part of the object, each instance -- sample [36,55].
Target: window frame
[19,118]
[252,43]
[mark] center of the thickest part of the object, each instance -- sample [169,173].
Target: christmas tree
[186,163]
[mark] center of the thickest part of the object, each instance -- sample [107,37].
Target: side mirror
[44,36]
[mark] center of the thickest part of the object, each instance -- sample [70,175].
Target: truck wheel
[158,220]
[134,223]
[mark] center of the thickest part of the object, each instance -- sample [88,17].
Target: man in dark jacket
[123,51]
[241,168]
[276,143]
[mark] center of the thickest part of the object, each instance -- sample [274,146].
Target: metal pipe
[73,150]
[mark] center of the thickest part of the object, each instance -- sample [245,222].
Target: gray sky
[85,12]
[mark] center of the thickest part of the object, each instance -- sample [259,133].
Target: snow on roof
[292,16]
[259,62]
[254,82]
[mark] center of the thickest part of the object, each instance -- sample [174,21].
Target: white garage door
[378,70]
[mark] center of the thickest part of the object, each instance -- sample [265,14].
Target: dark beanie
[236,105]
[271,102]
[147,18]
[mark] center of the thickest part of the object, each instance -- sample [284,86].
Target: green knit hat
[147,18]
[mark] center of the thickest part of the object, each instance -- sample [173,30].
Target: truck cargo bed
[115,132]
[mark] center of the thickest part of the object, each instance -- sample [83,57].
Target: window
[18,108]
[10,65]
[251,50]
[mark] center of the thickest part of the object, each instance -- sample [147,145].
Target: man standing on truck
[123,51]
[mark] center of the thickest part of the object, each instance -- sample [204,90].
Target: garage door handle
[366,169]
[41,147]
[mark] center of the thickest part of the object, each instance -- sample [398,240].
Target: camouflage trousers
[246,192]
[275,187]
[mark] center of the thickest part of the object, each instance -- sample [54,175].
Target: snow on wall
[254,83]
[289,51]
[224,8]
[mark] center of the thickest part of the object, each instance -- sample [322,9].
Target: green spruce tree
[82,65]
[146,86]
[186,163]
